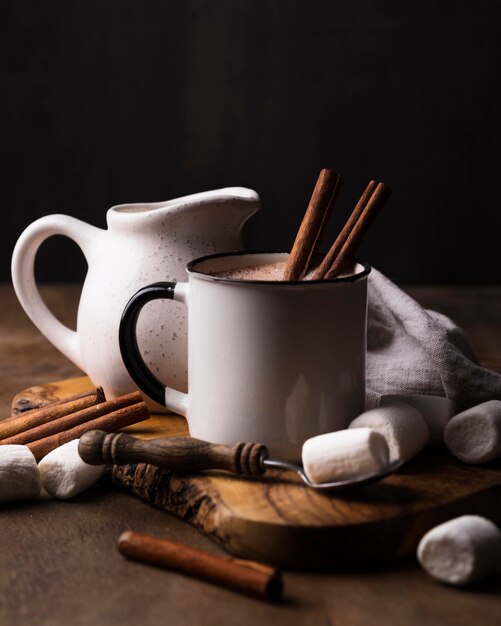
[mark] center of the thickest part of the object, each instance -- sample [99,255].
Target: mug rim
[352,278]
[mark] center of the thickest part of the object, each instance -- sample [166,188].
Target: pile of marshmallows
[62,473]
[462,550]
[457,552]
[400,428]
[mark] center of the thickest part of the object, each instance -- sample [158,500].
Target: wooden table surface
[59,563]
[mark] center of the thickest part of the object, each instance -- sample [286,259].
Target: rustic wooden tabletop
[59,563]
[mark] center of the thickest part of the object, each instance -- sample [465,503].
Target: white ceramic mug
[270,362]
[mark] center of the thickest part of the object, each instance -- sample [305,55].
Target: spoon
[185,454]
[336,485]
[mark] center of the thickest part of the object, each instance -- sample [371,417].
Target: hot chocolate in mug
[268,361]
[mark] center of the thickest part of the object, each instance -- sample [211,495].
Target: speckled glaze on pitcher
[144,243]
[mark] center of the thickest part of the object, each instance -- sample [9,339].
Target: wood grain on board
[279,520]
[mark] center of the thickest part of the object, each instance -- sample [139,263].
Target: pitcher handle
[23,276]
[140,373]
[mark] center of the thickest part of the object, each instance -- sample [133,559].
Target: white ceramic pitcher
[144,243]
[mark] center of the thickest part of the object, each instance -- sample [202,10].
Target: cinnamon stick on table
[110,422]
[315,219]
[30,419]
[248,577]
[70,419]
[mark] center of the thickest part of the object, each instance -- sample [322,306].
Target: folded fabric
[412,350]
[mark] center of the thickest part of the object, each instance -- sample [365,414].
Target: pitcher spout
[229,208]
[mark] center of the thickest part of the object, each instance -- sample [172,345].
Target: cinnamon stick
[314,221]
[70,420]
[325,221]
[19,423]
[110,422]
[244,576]
[340,240]
[374,205]
[24,405]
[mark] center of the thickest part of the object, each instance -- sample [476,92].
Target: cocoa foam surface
[268,272]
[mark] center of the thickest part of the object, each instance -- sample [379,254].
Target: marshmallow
[344,454]
[64,474]
[474,436]
[462,550]
[19,475]
[435,410]
[402,426]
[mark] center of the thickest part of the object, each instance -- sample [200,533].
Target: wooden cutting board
[279,520]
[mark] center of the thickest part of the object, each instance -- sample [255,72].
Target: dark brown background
[118,101]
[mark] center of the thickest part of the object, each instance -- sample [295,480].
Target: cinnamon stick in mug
[313,224]
[249,577]
[110,422]
[19,423]
[70,420]
[373,206]
[340,240]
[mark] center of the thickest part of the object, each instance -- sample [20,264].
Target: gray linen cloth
[412,350]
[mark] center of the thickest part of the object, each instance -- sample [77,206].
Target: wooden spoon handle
[180,454]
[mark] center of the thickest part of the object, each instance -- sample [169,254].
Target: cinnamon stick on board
[110,422]
[248,577]
[19,423]
[23,405]
[374,205]
[314,221]
[69,420]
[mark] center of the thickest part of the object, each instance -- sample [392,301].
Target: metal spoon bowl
[337,485]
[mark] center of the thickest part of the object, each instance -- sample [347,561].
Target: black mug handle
[127,338]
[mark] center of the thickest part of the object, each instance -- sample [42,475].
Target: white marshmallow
[344,454]
[19,475]
[435,410]
[402,426]
[462,550]
[64,474]
[474,436]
